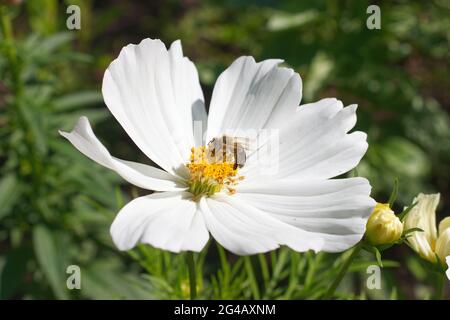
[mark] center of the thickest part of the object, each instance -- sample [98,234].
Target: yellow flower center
[208,176]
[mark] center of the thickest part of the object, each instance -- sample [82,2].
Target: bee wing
[248,144]
[245,146]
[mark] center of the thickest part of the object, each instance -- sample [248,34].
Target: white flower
[155,95]
[431,242]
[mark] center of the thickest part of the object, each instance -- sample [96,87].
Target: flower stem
[440,290]
[11,54]
[192,275]
[342,272]
[264,269]
[279,262]
[252,277]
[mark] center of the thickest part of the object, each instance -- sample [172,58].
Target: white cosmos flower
[156,96]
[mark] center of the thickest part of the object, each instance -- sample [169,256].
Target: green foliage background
[56,206]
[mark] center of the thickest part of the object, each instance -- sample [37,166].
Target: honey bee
[228,149]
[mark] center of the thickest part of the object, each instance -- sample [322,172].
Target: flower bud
[383,226]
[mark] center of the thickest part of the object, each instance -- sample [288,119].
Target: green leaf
[378,257]
[77,100]
[408,159]
[50,260]
[358,266]
[13,271]
[283,21]
[68,119]
[383,247]
[104,280]
[319,72]
[9,192]
[50,44]
[394,193]
[34,122]
[412,230]
[402,215]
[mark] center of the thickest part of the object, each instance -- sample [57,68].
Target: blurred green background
[56,206]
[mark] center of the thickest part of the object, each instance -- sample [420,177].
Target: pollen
[208,176]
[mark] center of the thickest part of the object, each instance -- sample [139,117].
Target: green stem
[278,263]
[313,262]
[223,260]
[7,33]
[251,277]
[192,275]
[343,271]
[5,23]
[16,86]
[440,290]
[293,275]
[264,269]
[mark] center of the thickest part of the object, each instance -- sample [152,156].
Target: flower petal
[334,211]
[155,94]
[167,220]
[248,93]
[141,175]
[423,216]
[448,264]
[244,230]
[314,143]
[444,225]
[443,245]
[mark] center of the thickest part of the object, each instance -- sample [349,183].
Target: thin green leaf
[77,100]
[378,257]
[49,44]
[412,230]
[394,193]
[402,215]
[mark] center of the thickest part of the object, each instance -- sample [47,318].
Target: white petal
[314,142]
[248,94]
[443,245]
[444,225]
[243,229]
[188,92]
[423,216]
[167,220]
[335,211]
[448,264]
[153,93]
[141,175]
